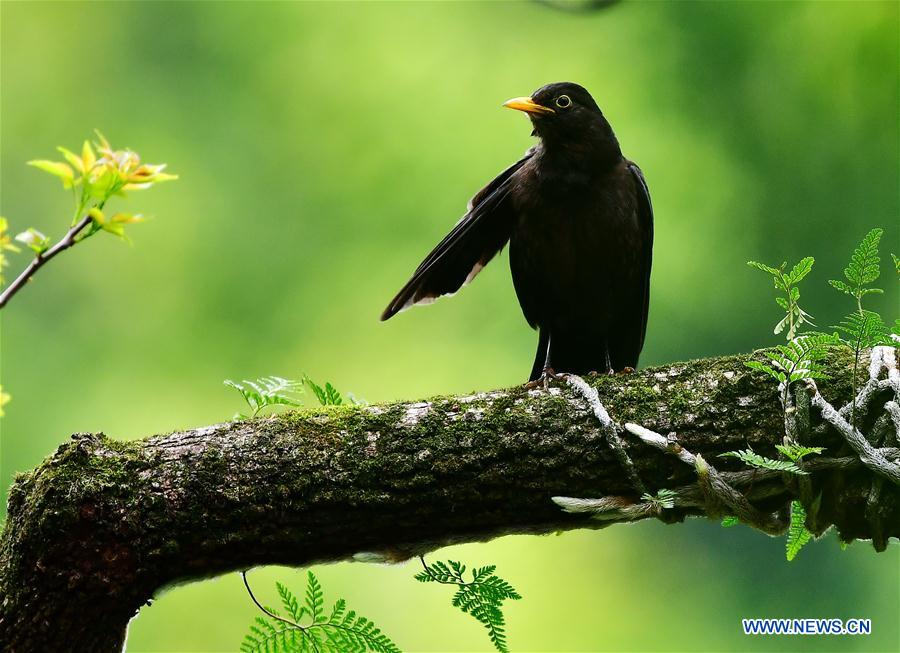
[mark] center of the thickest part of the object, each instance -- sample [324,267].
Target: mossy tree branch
[102,525]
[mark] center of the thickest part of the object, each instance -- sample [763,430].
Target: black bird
[579,221]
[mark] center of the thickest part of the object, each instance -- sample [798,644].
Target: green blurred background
[324,148]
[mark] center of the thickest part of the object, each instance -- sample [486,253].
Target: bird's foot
[543,380]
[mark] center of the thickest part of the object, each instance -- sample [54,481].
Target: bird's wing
[645,223]
[460,256]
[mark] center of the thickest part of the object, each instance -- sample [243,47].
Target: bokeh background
[324,148]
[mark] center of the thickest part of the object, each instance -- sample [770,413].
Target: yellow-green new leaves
[6,245]
[34,240]
[84,163]
[56,169]
[101,172]
[107,174]
[94,175]
[4,399]
[116,224]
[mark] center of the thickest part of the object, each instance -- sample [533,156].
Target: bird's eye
[563,102]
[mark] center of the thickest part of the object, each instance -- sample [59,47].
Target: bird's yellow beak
[527,105]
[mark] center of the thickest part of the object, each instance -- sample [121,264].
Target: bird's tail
[541,356]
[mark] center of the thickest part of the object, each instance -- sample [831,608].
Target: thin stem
[259,605]
[791,305]
[68,240]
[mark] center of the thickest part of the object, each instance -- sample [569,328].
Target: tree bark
[101,525]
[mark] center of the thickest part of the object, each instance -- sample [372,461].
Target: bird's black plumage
[578,218]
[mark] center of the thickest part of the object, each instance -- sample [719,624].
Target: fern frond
[327,396]
[801,270]
[314,597]
[863,329]
[729,521]
[753,459]
[290,602]
[786,282]
[775,272]
[268,391]
[840,285]
[662,499]
[482,597]
[798,535]
[768,369]
[864,263]
[340,632]
[797,452]
[799,359]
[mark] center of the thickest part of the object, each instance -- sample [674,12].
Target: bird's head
[565,113]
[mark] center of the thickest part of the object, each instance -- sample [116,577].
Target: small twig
[38,262]
[612,508]
[712,483]
[893,409]
[609,428]
[869,455]
[880,358]
[757,481]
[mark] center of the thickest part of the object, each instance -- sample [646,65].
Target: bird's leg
[547,373]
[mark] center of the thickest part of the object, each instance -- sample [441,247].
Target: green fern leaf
[729,521]
[766,268]
[268,391]
[786,283]
[864,263]
[318,390]
[290,603]
[753,459]
[797,452]
[327,396]
[662,499]
[798,535]
[482,597]
[310,631]
[762,367]
[840,285]
[863,329]
[314,597]
[801,270]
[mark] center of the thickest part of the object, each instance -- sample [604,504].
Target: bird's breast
[573,242]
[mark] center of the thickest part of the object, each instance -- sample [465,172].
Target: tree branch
[99,527]
[39,260]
